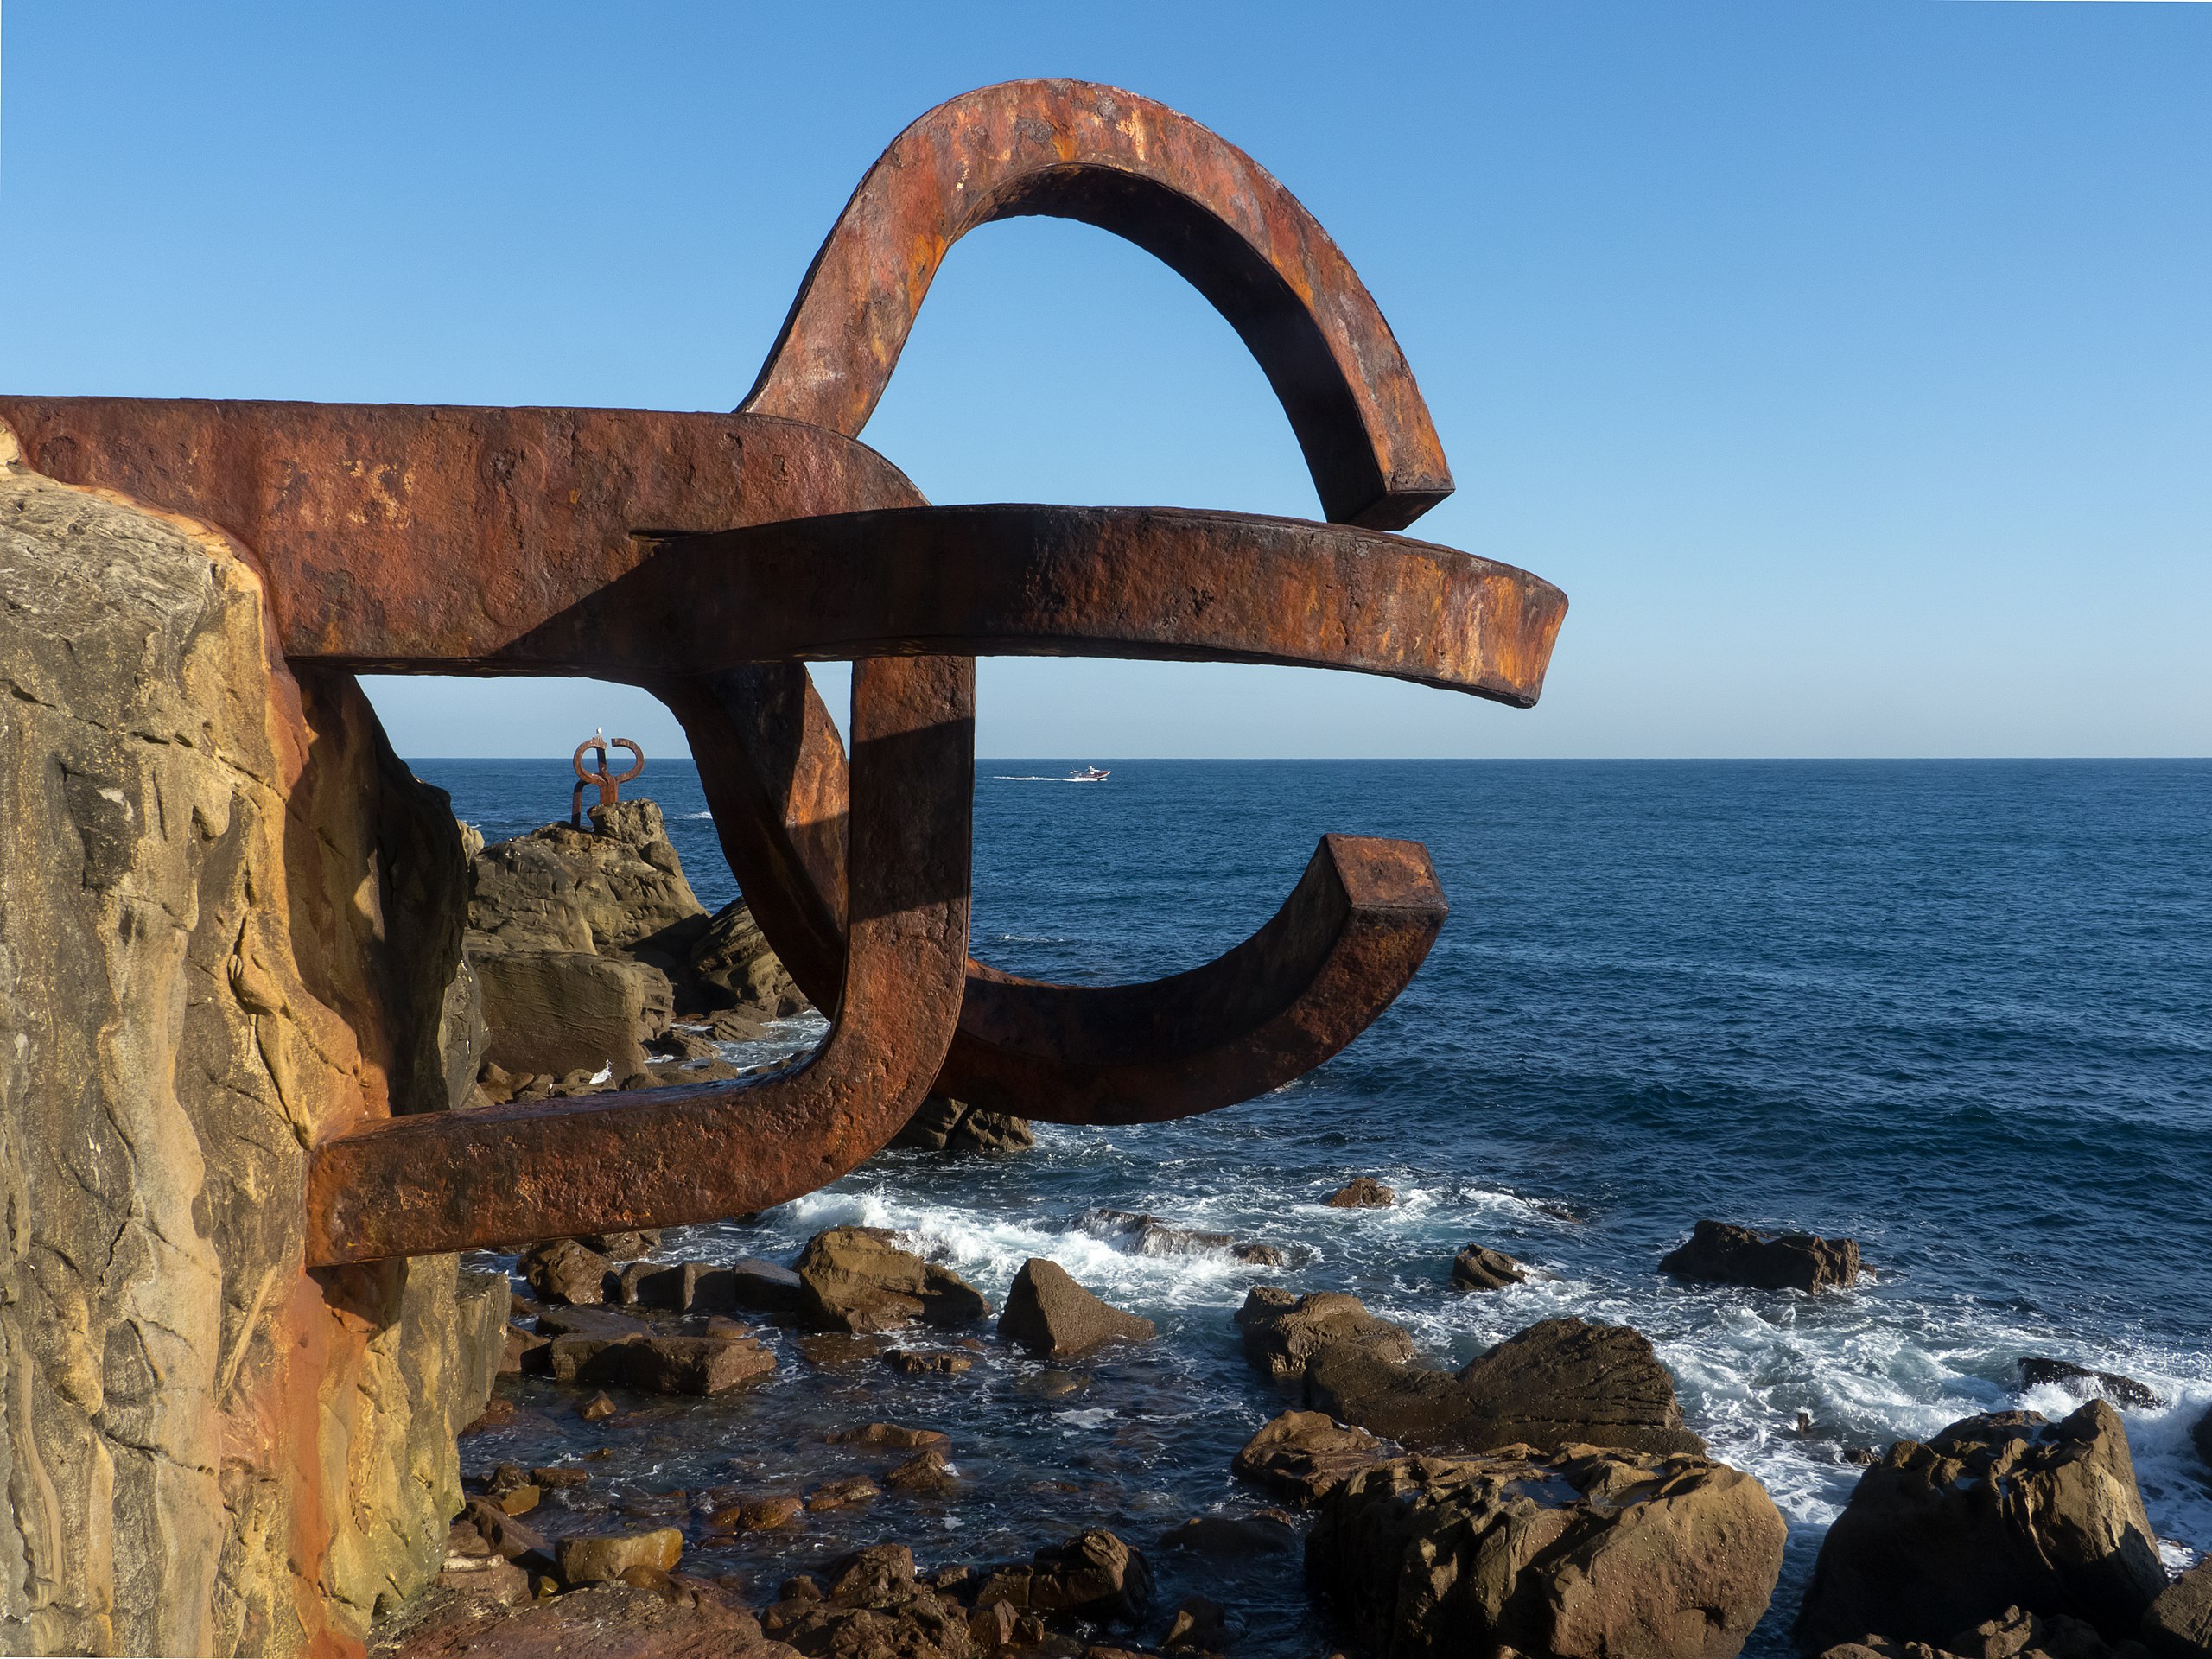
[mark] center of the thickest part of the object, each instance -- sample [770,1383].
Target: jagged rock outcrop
[2082,1383]
[1560,1382]
[229,927]
[1048,1312]
[1720,1253]
[1479,1268]
[942,1125]
[1584,1555]
[2004,1511]
[1304,1456]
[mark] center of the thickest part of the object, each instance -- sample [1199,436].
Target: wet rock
[890,1434]
[2179,1623]
[927,1473]
[849,1493]
[1719,1253]
[835,1352]
[859,1279]
[931,1362]
[1997,1512]
[502,1535]
[596,1345]
[1361,1192]
[558,1479]
[1047,1311]
[597,1410]
[1560,1382]
[1282,1332]
[520,1350]
[605,1621]
[566,1274]
[942,1125]
[1199,1625]
[2082,1382]
[758,1515]
[1580,1555]
[1477,1268]
[603,1558]
[497,1413]
[1304,1455]
[1093,1575]
[1148,1234]
[487,1577]
[699,1287]
[1232,1535]
[875,1606]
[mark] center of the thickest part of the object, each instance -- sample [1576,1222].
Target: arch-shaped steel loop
[509,1174]
[1075,149]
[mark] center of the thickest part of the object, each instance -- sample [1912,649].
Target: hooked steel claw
[708,557]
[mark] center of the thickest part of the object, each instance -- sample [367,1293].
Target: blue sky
[1849,364]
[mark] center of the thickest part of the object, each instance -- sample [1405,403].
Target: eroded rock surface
[1477,1268]
[1283,1332]
[1583,1556]
[942,1125]
[230,926]
[1304,1455]
[2082,1383]
[2004,1511]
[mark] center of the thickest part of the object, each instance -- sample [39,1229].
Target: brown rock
[858,1279]
[873,1606]
[1283,1332]
[1093,1575]
[2179,1623]
[502,1534]
[926,1473]
[603,1558]
[597,1410]
[1477,1268]
[942,1125]
[565,1272]
[936,1362]
[1150,1235]
[1581,1555]
[890,1434]
[734,954]
[1997,1511]
[597,1346]
[570,1012]
[698,1287]
[1723,1253]
[486,1578]
[605,1621]
[1560,1382]
[230,930]
[833,1352]
[519,1350]
[519,1500]
[624,1246]
[849,1493]
[758,1515]
[558,1479]
[1048,1312]
[1361,1192]
[1304,1455]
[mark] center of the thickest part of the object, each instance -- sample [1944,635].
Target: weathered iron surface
[708,556]
[607,783]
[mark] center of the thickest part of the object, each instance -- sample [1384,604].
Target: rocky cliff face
[229,925]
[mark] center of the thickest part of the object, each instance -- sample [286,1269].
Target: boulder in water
[1560,1382]
[1150,1235]
[942,1125]
[860,1279]
[875,1606]
[566,1273]
[1283,1332]
[604,1558]
[2082,1382]
[1584,1555]
[1477,1268]
[2004,1511]
[1304,1455]
[1048,1312]
[1722,1254]
[1361,1192]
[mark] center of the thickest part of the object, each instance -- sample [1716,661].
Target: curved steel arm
[1074,150]
[506,1175]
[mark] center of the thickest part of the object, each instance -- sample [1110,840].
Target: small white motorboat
[1089,775]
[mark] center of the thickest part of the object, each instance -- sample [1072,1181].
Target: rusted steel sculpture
[608,784]
[709,557]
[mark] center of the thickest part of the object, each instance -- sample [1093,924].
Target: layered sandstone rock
[860,1279]
[1998,1511]
[1720,1253]
[1048,1312]
[1583,1556]
[1283,1332]
[229,927]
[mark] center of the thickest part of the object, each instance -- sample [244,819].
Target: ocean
[1959,1011]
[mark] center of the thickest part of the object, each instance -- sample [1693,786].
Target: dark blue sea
[1962,1011]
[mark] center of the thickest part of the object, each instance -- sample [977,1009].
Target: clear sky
[1848,364]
